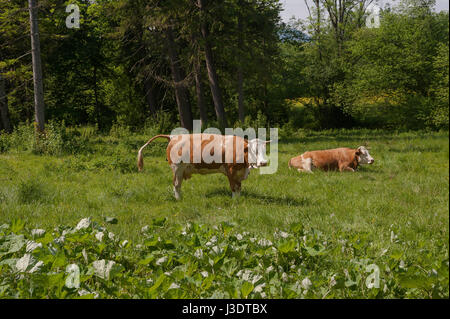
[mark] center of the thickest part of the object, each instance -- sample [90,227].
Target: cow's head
[363,156]
[256,152]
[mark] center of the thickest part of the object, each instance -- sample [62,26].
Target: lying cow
[342,159]
[230,155]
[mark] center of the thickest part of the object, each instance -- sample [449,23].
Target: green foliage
[260,121]
[4,143]
[56,140]
[89,261]
[393,71]
[30,191]
[392,76]
[439,116]
[161,123]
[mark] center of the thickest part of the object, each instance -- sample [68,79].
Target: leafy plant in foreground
[196,261]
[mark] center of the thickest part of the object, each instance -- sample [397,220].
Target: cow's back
[197,143]
[330,159]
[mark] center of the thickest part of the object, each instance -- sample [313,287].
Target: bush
[4,143]
[51,142]
[303,113]
[439,116]
[161,123]
[30,191]
[117,130]
[56,140]
[260,121]
[22,138]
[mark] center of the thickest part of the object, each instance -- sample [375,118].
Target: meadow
[315,233]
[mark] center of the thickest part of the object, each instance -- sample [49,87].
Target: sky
[298,8]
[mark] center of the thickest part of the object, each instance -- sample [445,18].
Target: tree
[240,71]
[199,90]
[4,112]
[179,81]
[390,79]
[39,106]
[210,66]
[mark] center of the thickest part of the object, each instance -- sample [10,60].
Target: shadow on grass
[415,148]
[368,170]
[262,198]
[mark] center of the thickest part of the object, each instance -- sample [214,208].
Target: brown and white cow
[230,155]
[342,159]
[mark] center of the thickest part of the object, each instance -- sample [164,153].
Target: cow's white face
[256,152]
[364,156]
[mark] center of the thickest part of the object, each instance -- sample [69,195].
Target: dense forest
[137,63]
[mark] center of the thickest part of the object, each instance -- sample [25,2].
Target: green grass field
[398,205]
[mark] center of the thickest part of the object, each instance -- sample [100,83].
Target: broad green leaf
[226,228]
[415,281]
[147,260]
[297,228]
[287,246]
[159,221]
[12,244]
[158,283]
[315,252]
[246,289]
[397,255]
[17,225]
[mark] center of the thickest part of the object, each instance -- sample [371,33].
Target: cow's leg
[345,168]
[235,186]
[178,172]
[237,190]
[235,182]
[238,176]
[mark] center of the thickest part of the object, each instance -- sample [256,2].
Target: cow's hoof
[177,196]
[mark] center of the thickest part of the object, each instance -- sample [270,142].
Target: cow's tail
[140,158]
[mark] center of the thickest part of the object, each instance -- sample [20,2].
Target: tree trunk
[150,96]
[241,106]
[199,90]
[39,107]
[98,110]
[212,74]
[240,71]
[181,92]
[4,114]
[318,29]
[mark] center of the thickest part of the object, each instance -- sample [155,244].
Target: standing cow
[342,159]
[230,155]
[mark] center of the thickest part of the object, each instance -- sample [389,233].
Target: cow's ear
[267,142]
[358,151]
